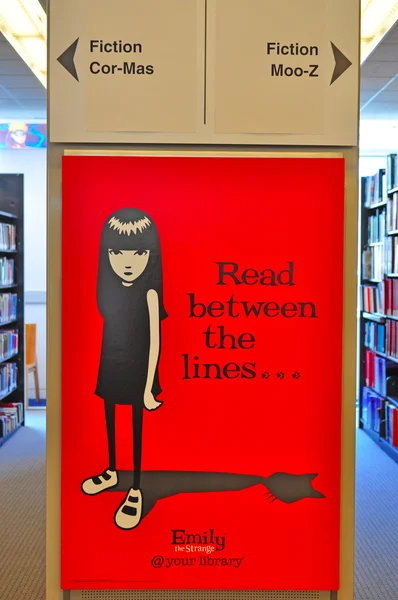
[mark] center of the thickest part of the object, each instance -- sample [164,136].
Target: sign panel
[204,71]
[200,421]
[140,72]
[130,69]
[284,71]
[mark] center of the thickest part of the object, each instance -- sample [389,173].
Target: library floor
[22,512]
[376,557]
[22,517]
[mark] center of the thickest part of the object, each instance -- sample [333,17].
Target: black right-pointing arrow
[67,59]
[341,63]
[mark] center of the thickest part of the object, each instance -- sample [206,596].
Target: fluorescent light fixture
[24,24]
[377,18]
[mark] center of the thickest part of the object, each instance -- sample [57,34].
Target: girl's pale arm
[154,348]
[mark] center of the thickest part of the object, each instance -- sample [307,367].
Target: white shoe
[129,513]
[99,483]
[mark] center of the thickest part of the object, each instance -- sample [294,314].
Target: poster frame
[54,281]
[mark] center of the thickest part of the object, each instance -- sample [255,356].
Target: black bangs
[113,240]
[147,239]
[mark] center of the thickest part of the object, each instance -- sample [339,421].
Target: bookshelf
[12,327]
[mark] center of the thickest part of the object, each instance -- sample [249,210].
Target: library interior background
[23,235]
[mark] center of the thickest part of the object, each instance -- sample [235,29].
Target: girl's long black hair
[128,229]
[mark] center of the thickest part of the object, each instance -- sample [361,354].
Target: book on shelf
[374,188]
[373,263]
[376,227]
[381,416]
[391,338]
[391,423]
[8,377]
[392,213]
[375,337]
[8,422]
[392,171]
[391,253]
[8,307]
[6,271]
[391,297]
[371,404]
[375,372]
[366,264]
[372,298]
[11,415]
[8,238]
[8,343]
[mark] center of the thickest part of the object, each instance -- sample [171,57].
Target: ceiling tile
[385,52]
[6,103]
[366,95]
[15,82]
[387,96]
[393,86]
[391,37]
[7,52]
[379,69]
[373,83]
[23,94]
[380,110]
[34,104]
[379,80]
[13,67]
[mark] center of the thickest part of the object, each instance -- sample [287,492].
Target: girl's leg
[137,442]
[109,478]
[129,513]
[110,431]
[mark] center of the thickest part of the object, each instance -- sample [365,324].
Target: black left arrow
[67,59]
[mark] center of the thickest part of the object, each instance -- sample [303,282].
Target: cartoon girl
[130,300]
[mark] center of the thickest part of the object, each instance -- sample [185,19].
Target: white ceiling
[379,80]
[22,96]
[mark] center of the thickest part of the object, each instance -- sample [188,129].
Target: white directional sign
[278,68]
[204,71]
[125,66]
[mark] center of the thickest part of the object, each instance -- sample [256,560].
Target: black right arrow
[341,63]
[67,59]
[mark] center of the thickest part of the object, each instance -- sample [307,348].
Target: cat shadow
[157,485]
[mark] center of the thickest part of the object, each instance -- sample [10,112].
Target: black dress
[123,368]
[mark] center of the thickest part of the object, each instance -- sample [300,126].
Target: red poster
[201,386]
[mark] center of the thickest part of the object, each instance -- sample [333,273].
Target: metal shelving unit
[378,208]
[11,212]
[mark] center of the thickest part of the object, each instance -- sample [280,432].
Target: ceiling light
[24,24]
[377,18]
